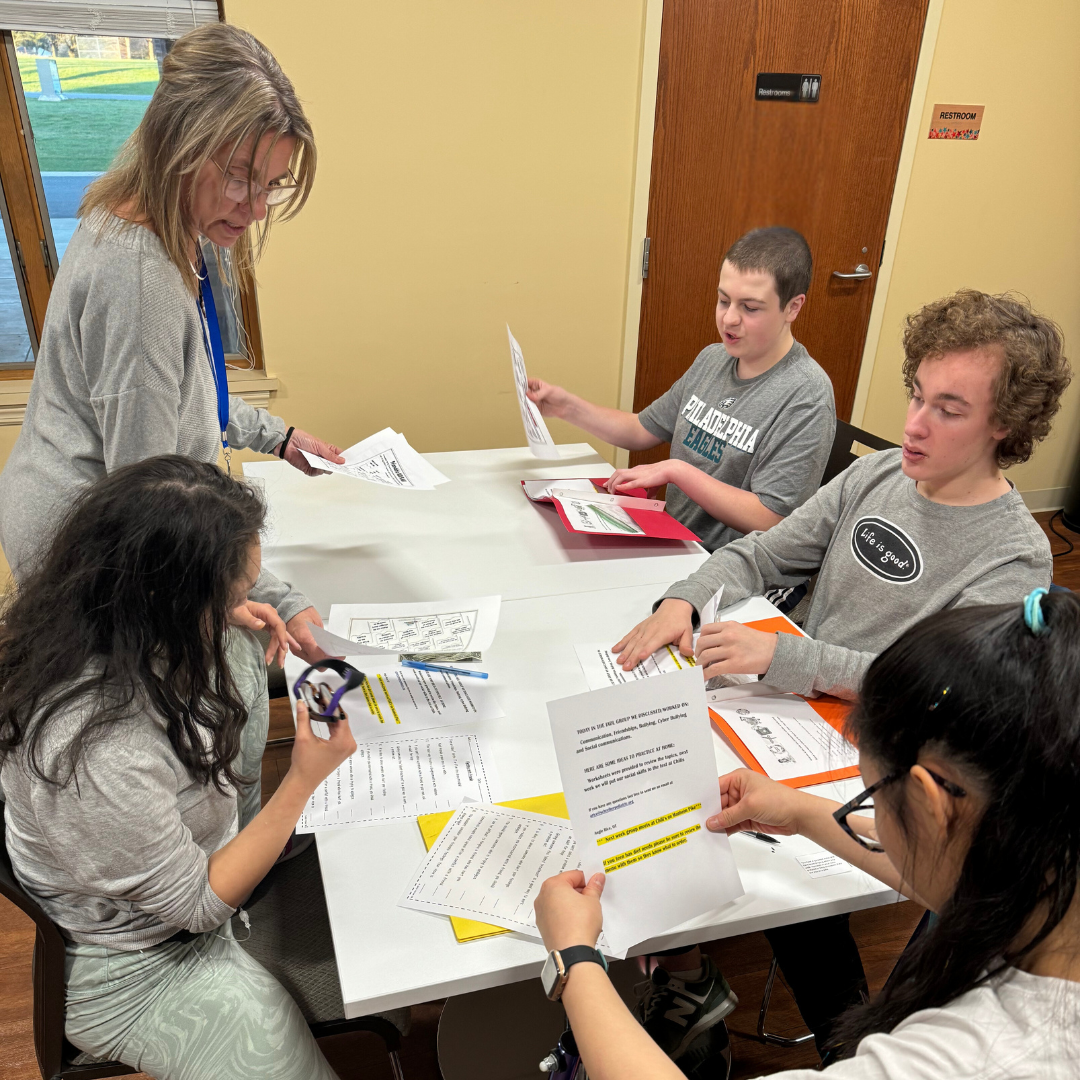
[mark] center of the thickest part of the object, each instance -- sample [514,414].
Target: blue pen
[448,670]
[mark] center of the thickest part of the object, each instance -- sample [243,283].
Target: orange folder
[831,709]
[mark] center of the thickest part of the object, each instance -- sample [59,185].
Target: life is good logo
[886,550]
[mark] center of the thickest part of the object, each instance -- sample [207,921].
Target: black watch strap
[577,953]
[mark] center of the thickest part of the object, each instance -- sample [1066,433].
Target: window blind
[108,18]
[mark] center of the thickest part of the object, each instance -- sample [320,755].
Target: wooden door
[724,163]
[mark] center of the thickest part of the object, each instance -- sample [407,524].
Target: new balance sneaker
[675,1013]
[708,1057]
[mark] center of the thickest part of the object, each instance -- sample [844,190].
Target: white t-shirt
[1017,1027]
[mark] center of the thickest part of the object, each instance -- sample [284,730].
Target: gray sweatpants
[204,1009]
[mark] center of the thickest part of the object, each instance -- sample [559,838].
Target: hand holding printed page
[640,782]
[384,458]
[488,864]
[540,441]
[600,669]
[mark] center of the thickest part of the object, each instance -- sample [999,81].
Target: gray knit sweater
[122,375]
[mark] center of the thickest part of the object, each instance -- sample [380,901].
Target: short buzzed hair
[779,251]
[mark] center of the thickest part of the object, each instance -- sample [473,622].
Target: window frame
[29,232]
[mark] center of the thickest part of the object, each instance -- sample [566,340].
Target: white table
[389,956]
[344,541]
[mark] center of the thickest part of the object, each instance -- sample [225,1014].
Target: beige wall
[475,168]
[1000,213]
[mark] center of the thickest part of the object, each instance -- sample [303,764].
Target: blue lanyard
[214,351]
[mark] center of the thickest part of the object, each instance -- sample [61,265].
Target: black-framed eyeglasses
[322,702]
[864,801]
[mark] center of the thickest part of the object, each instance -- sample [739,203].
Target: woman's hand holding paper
[729,648]
[751,802]
[300,441]
[671,623]
[568,910]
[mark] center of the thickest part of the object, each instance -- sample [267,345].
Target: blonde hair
[219,87]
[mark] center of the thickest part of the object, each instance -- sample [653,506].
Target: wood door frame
[639,210]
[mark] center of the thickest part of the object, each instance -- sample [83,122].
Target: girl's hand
[551,400]
[314,759]
[254,616]
[568,910]
[754,803]
[643,476]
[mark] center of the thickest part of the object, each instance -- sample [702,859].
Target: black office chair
[291,939]
[842,455]
[55,1054]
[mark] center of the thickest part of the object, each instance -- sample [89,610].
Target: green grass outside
[81,136]
[94,76]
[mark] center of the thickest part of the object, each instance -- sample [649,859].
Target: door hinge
[22,262]
[49,268]
[645,258]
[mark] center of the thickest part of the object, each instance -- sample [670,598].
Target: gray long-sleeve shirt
[122,857]
[887,556]
[122,375]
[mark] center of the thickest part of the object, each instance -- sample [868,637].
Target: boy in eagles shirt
[751,423]
[897,536]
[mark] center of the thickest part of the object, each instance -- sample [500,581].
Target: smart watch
[557,967]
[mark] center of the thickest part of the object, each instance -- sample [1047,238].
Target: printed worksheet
[423,626]
[639,777]
[785,736]
[600,669]
[540,441]
[591,516]
[398,700]
[399,779]
[488,864]
[384,458]
[336,645]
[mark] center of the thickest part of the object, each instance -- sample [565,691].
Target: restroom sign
[956,122]
[787,86]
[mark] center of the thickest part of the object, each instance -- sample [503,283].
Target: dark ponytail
[127,611]
[1011,722]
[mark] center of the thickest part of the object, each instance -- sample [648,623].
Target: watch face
[549,975]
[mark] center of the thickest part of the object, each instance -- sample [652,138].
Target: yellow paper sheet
[431,825]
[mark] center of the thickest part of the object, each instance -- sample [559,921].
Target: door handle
[862,272]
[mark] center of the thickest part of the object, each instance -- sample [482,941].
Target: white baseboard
[1045,499]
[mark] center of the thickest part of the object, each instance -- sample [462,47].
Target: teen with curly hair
[897,536]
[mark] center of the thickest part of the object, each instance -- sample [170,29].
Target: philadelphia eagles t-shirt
[770,435]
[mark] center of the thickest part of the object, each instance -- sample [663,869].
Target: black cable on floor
[1059,536]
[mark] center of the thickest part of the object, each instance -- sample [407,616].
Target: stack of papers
[618,515]
[384,458]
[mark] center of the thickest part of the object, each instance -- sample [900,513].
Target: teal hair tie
[1033,612]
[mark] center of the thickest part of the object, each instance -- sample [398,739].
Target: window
[72,100]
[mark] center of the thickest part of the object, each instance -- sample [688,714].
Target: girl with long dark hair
[123,695]
[968,730]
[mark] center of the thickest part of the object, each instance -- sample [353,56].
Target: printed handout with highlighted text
[384,458]
[540,442]
[600,668]
[420,626]
[398,779]
[399,700]
[639,776]
[488,864]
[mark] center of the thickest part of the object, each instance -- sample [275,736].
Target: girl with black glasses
[968,730]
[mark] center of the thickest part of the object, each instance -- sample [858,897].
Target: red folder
[618,515]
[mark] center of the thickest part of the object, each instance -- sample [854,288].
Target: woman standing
[130,363]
